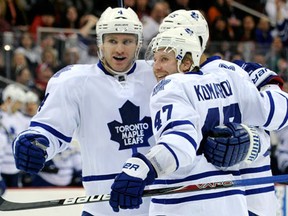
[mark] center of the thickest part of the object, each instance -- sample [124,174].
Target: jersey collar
[100,65]
[210,59]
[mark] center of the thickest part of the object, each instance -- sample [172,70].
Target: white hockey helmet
[119,20]
[180,40]
[14,92]
[31,97]
[192,19]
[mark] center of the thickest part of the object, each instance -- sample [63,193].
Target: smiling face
[119,51]
[164,64]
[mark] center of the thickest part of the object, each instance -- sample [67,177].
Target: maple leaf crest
[132,132]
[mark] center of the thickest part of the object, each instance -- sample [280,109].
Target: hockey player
[12,122]
[183,107]
[256,195]
[105,105]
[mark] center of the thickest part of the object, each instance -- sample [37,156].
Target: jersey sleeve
[58,115]
[173,120]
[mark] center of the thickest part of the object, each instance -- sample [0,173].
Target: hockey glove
[129,185]
[30,152]
[230,144]
[259,75]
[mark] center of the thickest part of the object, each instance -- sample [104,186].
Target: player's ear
[186,64]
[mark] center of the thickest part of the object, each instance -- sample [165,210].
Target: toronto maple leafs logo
[160,86]
[194,15]
[132,132]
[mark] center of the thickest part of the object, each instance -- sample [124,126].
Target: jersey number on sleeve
[165,112]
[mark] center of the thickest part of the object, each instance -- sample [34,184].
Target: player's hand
[129,185]
[259,75]
[30,152]
[230,144]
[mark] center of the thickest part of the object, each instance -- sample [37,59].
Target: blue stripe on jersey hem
[99,177]
[51,130]
[198,197]
[272,110]
[172,152]
[197,177]
[260,190]
[255,169]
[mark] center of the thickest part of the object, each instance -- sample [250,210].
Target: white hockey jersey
[110,118]
[12,124]
[261,199]
[185,106]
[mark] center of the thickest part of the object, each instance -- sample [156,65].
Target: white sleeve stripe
[185,136]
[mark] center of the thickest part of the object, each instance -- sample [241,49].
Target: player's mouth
[119,58]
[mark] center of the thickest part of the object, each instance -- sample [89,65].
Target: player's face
[119,51]
[164,64]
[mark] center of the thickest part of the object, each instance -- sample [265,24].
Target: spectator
[15,14]
[276,52]
[271,9]
[282,23]
[24,76]
[142,8]
[18,61]
[247,32]
[45,18]
[29,50]
[263,34]
[50,57]
[151,24]
[43,73]
[4,24]
[71,19]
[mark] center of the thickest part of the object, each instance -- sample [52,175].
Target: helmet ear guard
[192,19]
[182,41]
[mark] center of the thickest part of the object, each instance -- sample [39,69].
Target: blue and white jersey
[184,107]
[109,116]
[281,151]
[11,124]
[261,199]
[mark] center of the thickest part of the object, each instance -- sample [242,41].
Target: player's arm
[260,76]
[50,129]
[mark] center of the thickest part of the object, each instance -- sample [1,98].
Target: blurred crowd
[30,55]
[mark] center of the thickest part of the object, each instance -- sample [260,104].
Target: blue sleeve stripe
[186,136]
[286,117]
[172,152]
[176,123]
[272,109]
[51,130]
